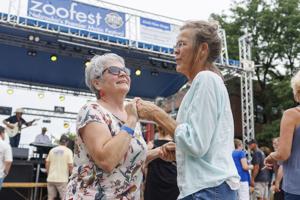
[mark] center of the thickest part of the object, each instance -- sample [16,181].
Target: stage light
[30,37]
[10,91]
[41,95]
[61,97]
[36,38]
[53,58]
[154,73]
[33,38]
[66,125]
[31,53]
[138,72]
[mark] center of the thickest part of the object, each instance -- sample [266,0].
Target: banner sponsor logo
[155,24]
[78,15]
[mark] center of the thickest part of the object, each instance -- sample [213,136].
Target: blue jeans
[1,181]
[289,196]
[221,192]
[14,141]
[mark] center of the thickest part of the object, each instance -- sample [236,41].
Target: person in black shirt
[161,178]
[14,125]
[260,175]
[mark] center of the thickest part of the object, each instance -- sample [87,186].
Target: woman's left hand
[167,152]
[146,109]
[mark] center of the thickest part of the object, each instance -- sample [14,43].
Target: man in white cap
[14,125]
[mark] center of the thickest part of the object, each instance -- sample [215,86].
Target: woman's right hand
[132,115]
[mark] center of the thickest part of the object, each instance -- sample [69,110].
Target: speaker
[5,110]
[20,171]
[20,153]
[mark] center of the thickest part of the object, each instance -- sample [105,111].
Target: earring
[101,93]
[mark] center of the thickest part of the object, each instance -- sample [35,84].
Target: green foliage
[275,29]
[268,132]
[71,136]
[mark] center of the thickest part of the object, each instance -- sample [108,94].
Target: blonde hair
[237,143]
[295,84]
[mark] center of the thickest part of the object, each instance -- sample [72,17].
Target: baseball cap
[251,141]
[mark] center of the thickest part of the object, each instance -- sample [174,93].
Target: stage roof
[158,78]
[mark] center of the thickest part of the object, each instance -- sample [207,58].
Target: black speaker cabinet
[20,171]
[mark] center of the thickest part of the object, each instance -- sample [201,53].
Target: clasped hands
[142,109]
[146,110]
[167,152]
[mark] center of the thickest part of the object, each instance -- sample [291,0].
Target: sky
[181,10]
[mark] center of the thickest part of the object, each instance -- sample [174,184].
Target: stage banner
[157,32]
[78,15]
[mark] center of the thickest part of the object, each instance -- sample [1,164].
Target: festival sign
[157,32]
[78,15]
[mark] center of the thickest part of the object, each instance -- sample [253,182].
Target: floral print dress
[88,181]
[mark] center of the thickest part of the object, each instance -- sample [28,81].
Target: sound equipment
[59,109]
[5,110]
[20,171]
[20,153]
[42,148]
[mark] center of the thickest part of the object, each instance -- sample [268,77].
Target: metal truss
[246,87]
[97,40]
[50,114]
[41,88]
[224,53]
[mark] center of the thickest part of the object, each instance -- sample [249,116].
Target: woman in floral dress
[109,149]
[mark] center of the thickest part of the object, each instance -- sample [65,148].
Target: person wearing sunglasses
[204,129]
[110,149]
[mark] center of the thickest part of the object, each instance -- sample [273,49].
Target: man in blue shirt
[240,160]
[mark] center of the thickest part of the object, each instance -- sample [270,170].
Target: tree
[275,29]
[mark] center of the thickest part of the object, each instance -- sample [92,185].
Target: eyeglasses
[117,70]
[179,44]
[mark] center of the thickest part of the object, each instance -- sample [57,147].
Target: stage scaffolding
[83,38]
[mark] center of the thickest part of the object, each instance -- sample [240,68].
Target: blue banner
[155,24]
[78,15]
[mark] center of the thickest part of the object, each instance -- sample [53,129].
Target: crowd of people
[192,157]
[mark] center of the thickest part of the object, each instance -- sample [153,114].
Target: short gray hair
[95,68]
